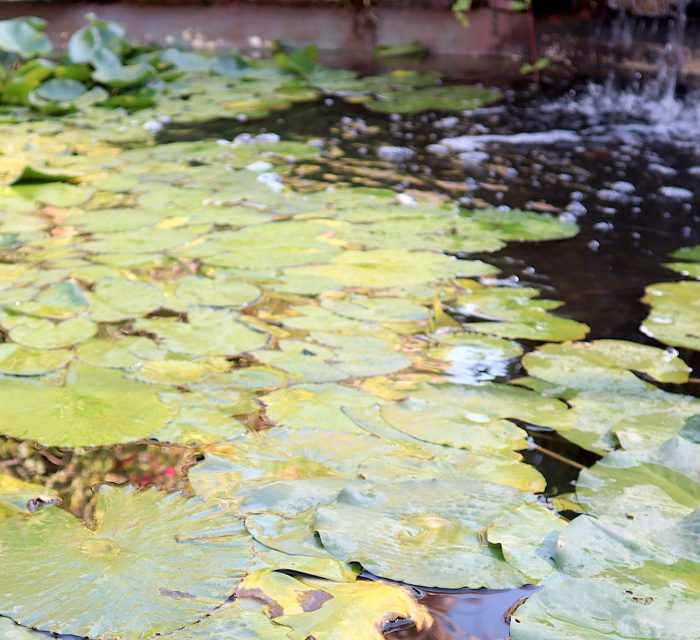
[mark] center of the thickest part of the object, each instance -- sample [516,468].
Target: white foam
[461,144]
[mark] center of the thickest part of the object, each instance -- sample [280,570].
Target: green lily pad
[239,619]
[123,76]
[93,406]
[384,268]
[126,353]
[580,609]
[604,364]
[208,332]
[17,360]
[115,299]
[471,417]
[518,311]
[57,194]
[40,333]
[16,170]
[675,313]
[449,98]
[521,226]
[259,459]
[316,406]
[12,631]
[136,551]
[59,301]
[429,532]
[208,292]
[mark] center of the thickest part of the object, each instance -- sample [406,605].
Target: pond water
[630,180]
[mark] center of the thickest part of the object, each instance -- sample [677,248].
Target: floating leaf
[208,332]
[260,459]
[60,301]
[449,98]
[114,300]
[675,313]
[135,551]
[471,417]
[233,619]
[20,361]
[604,364]
[328,610]
[43,334]
[93,406]
[430,533]
[519,312]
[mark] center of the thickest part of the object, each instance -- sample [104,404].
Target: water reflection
[467,614]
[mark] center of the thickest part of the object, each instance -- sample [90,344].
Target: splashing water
[647,104]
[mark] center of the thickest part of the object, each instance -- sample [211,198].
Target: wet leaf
[675,313]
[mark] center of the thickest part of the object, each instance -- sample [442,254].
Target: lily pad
[117,299]
[260,459]
[604,364]
[447,98]
[519,311]
[93,406]
[675,313]
[59,301]
[429,533]
[239,619]
[40,333]
[17,360]
[316,406]
[580,609]
[208,332]
[471,417]
[328,610]
[135,551]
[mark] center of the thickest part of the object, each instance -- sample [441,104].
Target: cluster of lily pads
[103,68]
[348,377]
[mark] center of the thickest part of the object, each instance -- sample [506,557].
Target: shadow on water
[467,614]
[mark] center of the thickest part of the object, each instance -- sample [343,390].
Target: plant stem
[558,457]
